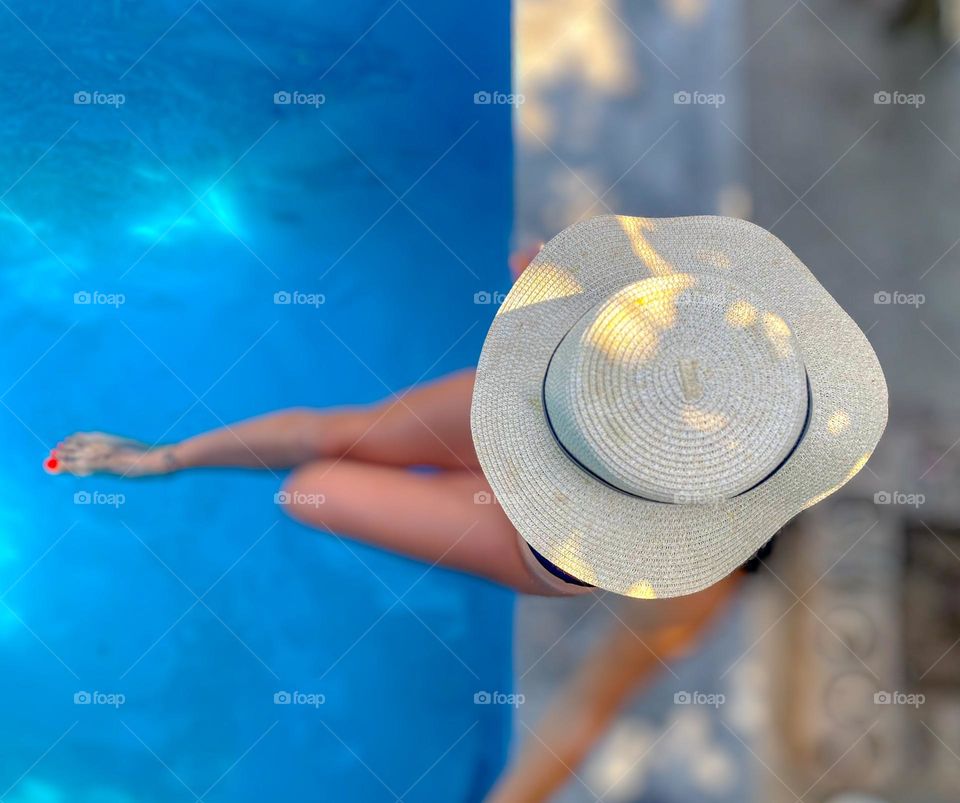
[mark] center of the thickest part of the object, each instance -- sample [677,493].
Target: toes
[84,453]
[53,464]
[81,438]
[77,467]
[67,459]
[77,441]
[59,463]
[88,444]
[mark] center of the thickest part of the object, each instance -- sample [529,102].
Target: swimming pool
[184,247]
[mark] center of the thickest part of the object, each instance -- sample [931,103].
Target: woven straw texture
[657,397]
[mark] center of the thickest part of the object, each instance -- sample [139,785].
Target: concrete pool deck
[865,192]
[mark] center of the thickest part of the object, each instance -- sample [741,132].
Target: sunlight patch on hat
[854,470]
[642,590]
[634,228]
[779,335]
[713,258]
[703,420]
[573,563]
[741,314]
[638,315]
[557,283]
[838,422]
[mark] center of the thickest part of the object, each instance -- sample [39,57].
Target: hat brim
[610,538]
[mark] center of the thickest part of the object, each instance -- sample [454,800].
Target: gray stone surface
[865,193]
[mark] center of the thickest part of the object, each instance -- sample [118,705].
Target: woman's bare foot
[99,453]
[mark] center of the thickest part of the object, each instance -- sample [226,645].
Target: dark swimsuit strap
[752,565]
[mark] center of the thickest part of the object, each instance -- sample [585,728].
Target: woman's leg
[353,476]
[447,518]
[426,425]
[631,654]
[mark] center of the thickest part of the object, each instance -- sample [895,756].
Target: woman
[652,406]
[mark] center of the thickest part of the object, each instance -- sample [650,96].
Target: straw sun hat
[657,397]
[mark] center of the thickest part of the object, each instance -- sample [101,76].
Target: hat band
[680,390]
[598,478]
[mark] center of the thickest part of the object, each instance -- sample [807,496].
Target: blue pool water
[193,203]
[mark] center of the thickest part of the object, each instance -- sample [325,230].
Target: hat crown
[680,388]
